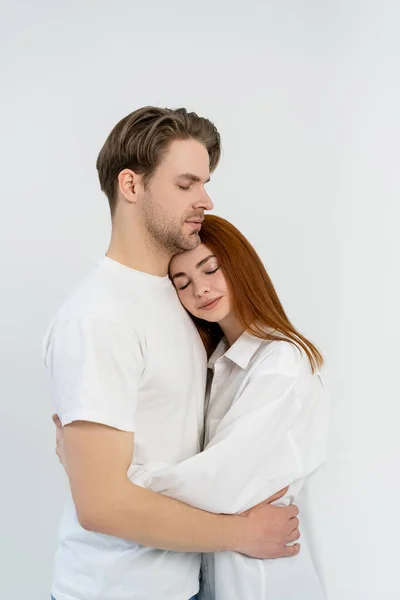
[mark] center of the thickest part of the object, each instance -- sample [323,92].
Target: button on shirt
[266,428]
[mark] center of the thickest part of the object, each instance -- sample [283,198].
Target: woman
[266,411]
[266,419]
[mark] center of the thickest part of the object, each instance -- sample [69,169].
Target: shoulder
[95,314]
[97,303]
[92,343]
[281,357]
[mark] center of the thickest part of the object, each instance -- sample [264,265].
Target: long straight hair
[255,302]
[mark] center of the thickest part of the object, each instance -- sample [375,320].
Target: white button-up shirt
[266,428]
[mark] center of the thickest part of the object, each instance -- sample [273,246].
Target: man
[128,370]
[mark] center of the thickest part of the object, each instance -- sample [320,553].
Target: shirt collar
[241,352]
[218,353]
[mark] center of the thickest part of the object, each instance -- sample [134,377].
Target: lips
[194,225]
[210,303]
[198,219]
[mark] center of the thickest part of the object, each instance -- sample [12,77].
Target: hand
[269,528]
[59,439]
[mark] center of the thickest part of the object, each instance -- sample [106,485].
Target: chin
[189,242]
[217,317]
[183,245]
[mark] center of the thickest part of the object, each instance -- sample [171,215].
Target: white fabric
[266,427]
[123,352]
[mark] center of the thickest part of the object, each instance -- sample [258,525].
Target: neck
[231,328]
[131,246]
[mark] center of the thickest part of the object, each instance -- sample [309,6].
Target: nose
[201,288]
[204,201]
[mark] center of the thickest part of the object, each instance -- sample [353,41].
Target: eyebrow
[192,177]
[199,264]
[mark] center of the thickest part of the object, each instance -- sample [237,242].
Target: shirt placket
[219,378]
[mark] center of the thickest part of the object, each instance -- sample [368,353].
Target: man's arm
[97,459]
[96,367]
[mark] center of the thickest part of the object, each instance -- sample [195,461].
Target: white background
[306,96]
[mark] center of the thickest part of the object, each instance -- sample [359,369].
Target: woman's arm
[269,439]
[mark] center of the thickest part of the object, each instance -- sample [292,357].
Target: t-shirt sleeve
[95,367]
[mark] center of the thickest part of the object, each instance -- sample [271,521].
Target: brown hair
[255,302]
[139,141]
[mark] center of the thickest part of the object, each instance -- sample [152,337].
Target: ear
[128,184]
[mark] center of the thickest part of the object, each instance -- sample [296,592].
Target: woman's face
[200,284]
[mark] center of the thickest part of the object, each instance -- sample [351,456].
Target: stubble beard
[164,232]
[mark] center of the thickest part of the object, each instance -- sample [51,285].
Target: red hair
[255,302]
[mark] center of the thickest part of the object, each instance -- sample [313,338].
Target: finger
[291,550]
[293,511]
[294,535]
[277,495]
[294,523]
[56,421]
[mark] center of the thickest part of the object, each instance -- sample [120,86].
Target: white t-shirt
[123,352]
[266,428]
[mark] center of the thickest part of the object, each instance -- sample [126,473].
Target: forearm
[97,460]
[147,518]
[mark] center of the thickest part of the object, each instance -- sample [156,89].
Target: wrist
[234,533]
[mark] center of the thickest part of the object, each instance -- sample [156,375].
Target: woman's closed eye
[211,272]
[184,286]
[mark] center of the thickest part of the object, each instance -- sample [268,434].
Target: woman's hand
[59,440]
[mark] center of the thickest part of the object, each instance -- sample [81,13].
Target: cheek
[164,195]
[220,284]
[186,300]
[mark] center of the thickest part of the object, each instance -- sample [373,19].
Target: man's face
[175,198]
